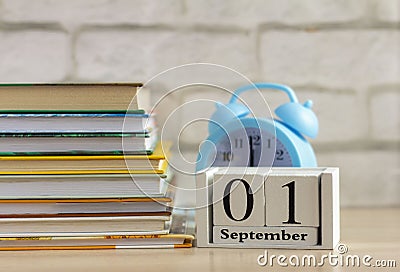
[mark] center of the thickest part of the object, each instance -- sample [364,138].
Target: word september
[243,236]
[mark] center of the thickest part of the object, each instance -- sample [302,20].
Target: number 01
[250,201]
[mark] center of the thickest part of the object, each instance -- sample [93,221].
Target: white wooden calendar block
[238,200]
[330,208]
[291,208]
[292,199]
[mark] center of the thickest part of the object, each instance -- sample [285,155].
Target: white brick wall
[326,57]
[75,13]
[387,10]
[243,13]
[136,54]
[23,57]
[344,55]
[385,114]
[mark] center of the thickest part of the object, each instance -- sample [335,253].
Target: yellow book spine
[78,172]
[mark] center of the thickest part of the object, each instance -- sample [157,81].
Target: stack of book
[80,171]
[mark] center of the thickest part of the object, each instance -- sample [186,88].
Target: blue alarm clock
[238,140]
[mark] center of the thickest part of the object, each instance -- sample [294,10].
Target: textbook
[76,143]
[96,242]
[75,121]
[180,228]
[22,226]
[81,186]
[85,164]
[89,205]
[68,96]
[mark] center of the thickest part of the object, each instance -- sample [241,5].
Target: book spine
[94,247]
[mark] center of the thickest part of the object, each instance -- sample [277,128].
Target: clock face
[251,146]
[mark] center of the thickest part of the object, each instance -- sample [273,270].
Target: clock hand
[251,159]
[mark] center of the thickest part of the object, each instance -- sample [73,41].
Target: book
[89,205]
[85,164]
[76,143]
[53,186]
[96,242]
[80,168]
[68,96]
[75,121]
[67,224]
[182,227]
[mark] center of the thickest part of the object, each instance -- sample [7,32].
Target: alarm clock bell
[299,117]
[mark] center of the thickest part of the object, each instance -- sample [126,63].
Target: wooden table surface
[374,232]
